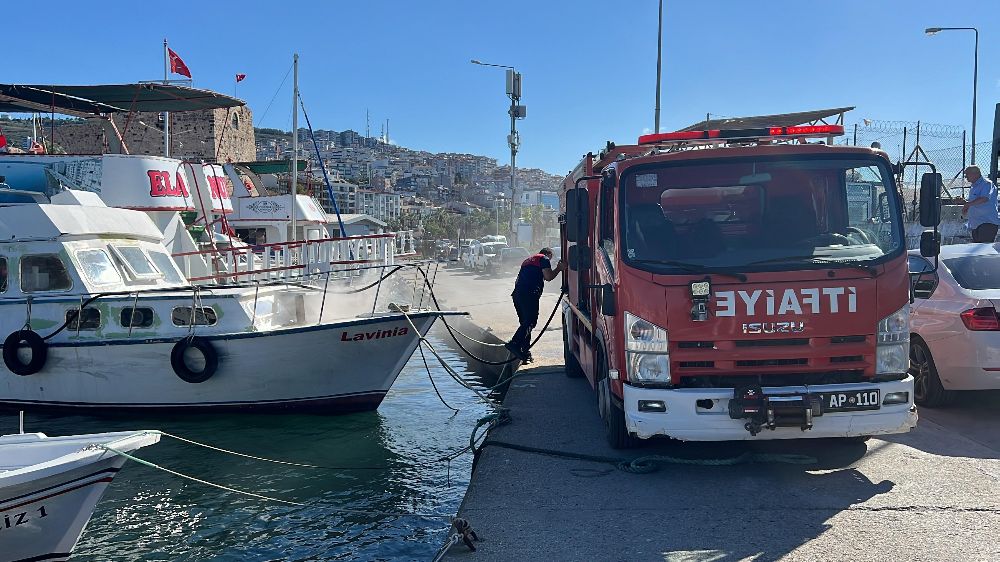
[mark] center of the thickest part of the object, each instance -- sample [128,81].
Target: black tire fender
[39,352]
[180,366]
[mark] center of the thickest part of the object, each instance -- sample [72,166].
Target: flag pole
[166,114]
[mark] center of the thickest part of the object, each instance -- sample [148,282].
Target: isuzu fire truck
[741,284]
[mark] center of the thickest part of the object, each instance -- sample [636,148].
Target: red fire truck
[741,284]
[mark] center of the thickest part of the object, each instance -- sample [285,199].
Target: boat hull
[49,487]
[43,519]
[330,368]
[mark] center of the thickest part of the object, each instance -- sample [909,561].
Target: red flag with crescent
[177,66]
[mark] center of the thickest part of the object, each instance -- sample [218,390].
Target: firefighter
[527,291]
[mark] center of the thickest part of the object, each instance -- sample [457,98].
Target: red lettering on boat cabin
[160,186]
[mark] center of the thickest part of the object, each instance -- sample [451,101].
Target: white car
[955,341]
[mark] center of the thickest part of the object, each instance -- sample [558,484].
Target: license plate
[851,401]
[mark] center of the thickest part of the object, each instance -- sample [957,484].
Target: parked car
[511,258]
[486,256]
[454,253]
[493,238]
[955,341]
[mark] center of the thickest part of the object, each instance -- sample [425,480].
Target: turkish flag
[240,77]
[177,66]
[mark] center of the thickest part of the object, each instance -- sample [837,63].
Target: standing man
[981,207]
[527,291]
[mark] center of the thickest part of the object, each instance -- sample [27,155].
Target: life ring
[181,367]
[39,352]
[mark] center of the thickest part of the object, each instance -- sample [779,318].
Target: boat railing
[341,258]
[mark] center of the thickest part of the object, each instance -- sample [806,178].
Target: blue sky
[588,66]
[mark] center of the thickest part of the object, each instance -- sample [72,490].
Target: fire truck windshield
[760,214]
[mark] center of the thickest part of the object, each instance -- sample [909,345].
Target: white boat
[96,315]
[49,487]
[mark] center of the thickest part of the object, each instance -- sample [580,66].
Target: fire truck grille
[847,359]
[784,379]
[697,364]
[797,358]
[696,345]
[772,343]
[771,362]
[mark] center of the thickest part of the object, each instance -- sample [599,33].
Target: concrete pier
[932,494]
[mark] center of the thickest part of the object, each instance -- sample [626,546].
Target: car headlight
[892,350]
[646,351]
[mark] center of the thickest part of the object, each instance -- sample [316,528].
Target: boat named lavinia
[97,314]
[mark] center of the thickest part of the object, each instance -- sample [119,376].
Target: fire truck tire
[927,388]
[612,415]
[572,367]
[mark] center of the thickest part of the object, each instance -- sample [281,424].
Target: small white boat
[49,487]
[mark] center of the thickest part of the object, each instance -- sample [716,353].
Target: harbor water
[381,468]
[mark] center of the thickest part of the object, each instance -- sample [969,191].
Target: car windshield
[975,272]
[760,214]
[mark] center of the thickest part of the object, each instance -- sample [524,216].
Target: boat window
[138,317]
[136,261]
[44,272]
[3,274]
[90,320]
[167,266]
[97,267]
[205,316]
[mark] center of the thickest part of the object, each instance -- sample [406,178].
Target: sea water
[382,467]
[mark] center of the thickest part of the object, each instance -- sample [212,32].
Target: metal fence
[946,146]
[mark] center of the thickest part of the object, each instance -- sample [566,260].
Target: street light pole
[975,75]
[659,66]
[516,112]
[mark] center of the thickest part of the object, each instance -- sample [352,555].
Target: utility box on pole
[513,84]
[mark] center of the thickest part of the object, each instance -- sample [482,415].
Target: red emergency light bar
[797,131]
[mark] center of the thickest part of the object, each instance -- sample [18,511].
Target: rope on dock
[650,463]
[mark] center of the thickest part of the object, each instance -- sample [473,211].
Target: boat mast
[295,138]
[166,114]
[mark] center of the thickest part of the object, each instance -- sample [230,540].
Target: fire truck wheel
[927,388]
[612,415]
[572,366]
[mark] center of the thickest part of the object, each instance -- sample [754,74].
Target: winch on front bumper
[788,412]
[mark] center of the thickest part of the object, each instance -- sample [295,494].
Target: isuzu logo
[769,302]
[774,327]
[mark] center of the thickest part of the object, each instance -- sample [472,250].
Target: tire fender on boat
[180,365]
[39,352]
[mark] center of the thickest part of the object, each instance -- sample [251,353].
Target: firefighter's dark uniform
[527,292]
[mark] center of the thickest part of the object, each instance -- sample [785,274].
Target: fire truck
[742,284]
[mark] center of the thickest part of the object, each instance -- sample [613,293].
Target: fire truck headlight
[649,367]
[892,353]
[643,335]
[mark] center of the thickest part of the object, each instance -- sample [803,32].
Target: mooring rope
[271,498]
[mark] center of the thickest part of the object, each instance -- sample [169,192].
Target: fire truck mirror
[577,215]
[579,257]
[930,199]
[609,305]
[608,178]
[930,242]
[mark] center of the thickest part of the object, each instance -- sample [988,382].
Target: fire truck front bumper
[787,412]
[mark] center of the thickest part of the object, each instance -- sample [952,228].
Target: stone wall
[217,135]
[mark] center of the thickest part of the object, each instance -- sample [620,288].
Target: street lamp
[516,112]
[975,75]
